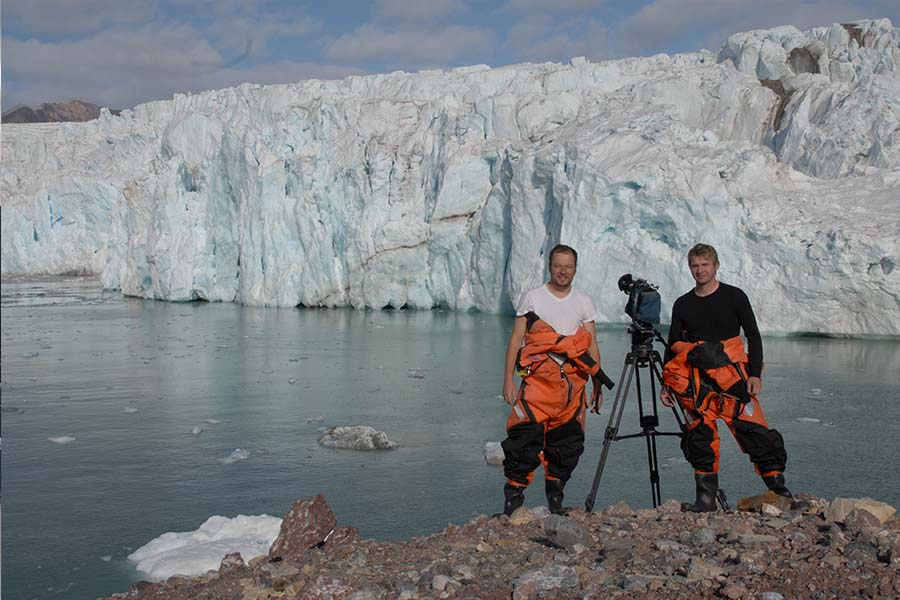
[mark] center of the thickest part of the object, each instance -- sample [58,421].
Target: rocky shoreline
[846,548]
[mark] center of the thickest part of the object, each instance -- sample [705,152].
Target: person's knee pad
[563,448]
[521,450]
[697,445]
[764,446]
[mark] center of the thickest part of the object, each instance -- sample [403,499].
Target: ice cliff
[447,189]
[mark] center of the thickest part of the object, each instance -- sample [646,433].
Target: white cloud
[538,38]
[412,49]
[666,23]
[416,11]
[121,68]
[67,18]
[552,6]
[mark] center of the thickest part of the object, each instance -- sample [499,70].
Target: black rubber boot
[514,498]
[554,489]
[707,486]
[776,484]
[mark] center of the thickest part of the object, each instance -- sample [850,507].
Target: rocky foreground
[847,548]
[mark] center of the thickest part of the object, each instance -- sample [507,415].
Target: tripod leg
[610,433]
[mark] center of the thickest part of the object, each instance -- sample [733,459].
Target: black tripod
[642,356]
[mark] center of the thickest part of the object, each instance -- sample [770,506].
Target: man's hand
[754,385]
[667,397]
[509,391]
[596,399]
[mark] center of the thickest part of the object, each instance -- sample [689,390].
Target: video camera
[644,303]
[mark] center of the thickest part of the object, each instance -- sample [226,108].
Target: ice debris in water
[213,421]
[196,552]
[493,453]
[815,392]
[63,439]
[238,454]
[808,420]
[129,410]
[356,437]
[196,430]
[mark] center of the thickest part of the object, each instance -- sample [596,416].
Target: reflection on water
[157,396]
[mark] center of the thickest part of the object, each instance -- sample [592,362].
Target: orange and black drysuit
[710,381]
[546,423]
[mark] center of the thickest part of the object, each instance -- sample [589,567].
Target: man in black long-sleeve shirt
[713,315]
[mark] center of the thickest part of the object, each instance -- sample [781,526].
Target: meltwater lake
[117,413]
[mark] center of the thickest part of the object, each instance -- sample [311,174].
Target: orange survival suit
[546,423]
[710,381]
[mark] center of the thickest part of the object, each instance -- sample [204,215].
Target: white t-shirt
[565,315]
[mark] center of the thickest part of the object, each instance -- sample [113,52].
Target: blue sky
[120,53]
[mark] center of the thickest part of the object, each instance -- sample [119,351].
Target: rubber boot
[707,486]
[776,484]
[554,489]
[514,498]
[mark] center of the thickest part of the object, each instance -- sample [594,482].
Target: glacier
[446,189]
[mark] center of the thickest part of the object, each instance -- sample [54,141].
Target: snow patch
[356,437]
[195,552]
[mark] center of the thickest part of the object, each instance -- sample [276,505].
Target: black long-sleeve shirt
[717,317]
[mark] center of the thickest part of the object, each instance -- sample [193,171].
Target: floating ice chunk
[130,410]
[356,437]
[808,420]
[292,380]
[815,392]
[196,552]
[417,374]
[315,420]
[197,430]
[238,454]
[213,421]
[493,453]
[63,439]
[106,558]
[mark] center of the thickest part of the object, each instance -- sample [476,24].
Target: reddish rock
[231,562]
[756,503]
[859,518]
[307,524]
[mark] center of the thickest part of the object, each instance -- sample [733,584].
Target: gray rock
[703,536]
[277,575]
[552,577]
[839,508]
[667,545]
[701,569]
[635,583]
[753,538]
[566,533]
[860,554]
[770,596]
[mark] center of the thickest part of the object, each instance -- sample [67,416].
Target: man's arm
[594,351]
[512,350]
[675,331]
[754,343]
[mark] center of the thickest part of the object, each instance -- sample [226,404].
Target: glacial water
[143,400]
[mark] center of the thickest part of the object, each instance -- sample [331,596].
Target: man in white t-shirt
[554,346]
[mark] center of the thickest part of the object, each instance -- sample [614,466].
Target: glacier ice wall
[447,189]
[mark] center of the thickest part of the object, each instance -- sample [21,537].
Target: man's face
[562,269]
[703,269]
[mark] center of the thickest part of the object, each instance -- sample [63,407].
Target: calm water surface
[129,379]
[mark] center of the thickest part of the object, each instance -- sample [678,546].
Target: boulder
[757,503]
[566,533]
[307,524]
[839,508]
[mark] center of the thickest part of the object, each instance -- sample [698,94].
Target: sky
[119,53]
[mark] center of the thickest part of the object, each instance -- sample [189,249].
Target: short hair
[562,248]
[704,251]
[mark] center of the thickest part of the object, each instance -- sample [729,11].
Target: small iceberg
[493,453]
[63,439]
[194,553]
[808,420]
[356,437]
[197,430]
[238,454]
